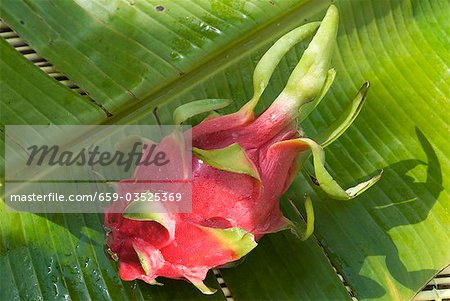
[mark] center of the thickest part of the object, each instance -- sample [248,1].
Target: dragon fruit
[241,166]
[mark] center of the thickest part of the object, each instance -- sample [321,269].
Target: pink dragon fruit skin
[244,201]
[230,210]
[220,200]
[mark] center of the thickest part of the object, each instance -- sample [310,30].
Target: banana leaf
[133,56]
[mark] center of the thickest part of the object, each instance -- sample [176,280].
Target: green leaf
[55,256]
[283,267]
[130,58]
[231,158]
[22,96]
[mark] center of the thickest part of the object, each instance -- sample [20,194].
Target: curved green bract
[150,211]
[267,64]
[202,287]
[231,158]
[307,108]
[144,260]
[303,230]
[190,109]
[310,74]
[235,239]
[326,181]
[338,127]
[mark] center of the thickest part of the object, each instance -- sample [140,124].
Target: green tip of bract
[154,282]
[231,158]
[154,211]
[144,260]
[307,81]
[270,60]
[237,240]
[308,107]
[310,75]
[341,124]
[326,181]
[202,287]
[303,230]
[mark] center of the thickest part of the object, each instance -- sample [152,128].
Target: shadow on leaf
[408,202]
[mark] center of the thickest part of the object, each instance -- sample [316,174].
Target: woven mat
[438,288]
